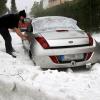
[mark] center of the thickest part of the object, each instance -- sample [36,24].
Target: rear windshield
[54,23]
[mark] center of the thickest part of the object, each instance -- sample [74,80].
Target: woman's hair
[22,13]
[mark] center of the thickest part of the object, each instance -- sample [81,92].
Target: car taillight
[90,39]
[45,45]
[87,55]
[42,42]
[54,59]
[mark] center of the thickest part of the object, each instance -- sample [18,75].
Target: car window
[54,23]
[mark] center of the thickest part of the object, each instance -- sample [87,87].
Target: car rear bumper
[46,62]
[42,56]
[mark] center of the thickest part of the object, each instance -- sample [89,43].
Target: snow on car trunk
[62,34]
[65,38]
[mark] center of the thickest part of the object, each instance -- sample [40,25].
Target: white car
[57,42]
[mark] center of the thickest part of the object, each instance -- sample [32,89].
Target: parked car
[57,42]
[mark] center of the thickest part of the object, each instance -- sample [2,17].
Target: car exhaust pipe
[88,65]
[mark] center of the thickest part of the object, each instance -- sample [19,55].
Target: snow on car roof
[55,17]
[53,23]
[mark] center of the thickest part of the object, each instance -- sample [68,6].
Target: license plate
[71,57]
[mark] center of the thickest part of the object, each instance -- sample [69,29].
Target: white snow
[50,23]
[21,80]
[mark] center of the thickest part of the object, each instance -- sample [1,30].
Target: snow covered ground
[21,80]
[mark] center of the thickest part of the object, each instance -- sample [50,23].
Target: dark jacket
[9,21]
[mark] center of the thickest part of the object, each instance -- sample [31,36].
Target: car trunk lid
[66,38]
[64,34]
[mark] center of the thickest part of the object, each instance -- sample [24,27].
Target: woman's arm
[19,33]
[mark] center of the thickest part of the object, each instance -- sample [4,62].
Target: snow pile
[20,79]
